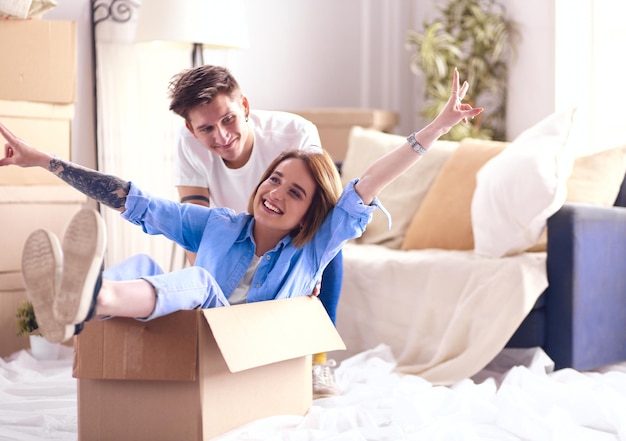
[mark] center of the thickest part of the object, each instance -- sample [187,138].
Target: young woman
[300,220]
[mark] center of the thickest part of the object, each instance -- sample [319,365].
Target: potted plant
[27,325]
[26,321]
[476,37]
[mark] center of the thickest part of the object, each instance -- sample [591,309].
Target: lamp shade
[218,24]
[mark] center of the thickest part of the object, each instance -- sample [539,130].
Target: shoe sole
[84,244]
[42,263]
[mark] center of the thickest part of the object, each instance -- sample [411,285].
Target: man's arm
[194,195]
[106,189]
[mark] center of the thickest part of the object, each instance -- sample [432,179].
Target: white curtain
[136,130]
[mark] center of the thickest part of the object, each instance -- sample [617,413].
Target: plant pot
[42,349]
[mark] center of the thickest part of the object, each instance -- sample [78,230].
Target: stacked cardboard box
[334,125]
[38,61]
[37,96]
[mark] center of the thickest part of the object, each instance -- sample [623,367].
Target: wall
[83,132]
[325,53]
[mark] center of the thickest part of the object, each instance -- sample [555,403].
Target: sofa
[491,245]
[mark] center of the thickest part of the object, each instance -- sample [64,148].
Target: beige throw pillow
[443,220]
[404,195]
[596,180]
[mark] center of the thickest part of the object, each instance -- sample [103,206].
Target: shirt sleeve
[347,220]
[182,223]
[189,168]
[351,203]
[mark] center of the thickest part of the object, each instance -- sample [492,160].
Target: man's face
[221,127]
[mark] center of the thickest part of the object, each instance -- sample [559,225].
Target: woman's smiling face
[283,199]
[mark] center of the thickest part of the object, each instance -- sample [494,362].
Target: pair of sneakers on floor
[60,278]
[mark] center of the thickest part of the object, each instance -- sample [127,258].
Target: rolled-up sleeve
[159,216]
[136,205]
[351,203]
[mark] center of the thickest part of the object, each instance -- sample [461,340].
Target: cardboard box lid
[260,333]
[28,109]
[248,336]
[11,281]
[347,117]
[50,194]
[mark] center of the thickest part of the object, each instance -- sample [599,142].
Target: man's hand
[316,290]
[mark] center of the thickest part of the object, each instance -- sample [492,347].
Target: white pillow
[517,190]
[404,195]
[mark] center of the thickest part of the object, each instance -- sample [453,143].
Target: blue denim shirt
[225,247]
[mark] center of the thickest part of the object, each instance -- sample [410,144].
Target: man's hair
[327,192]
[200,85]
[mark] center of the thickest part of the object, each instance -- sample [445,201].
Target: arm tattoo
[106,189]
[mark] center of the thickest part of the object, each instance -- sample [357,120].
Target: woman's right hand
[18,152]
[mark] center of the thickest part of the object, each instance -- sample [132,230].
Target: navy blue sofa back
[621,197]
[532,331]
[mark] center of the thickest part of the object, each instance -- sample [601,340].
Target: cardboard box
[26,209]
[12,294]
[334,125]
[38,61]
[195,374]
[45,126]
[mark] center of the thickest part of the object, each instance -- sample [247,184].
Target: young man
[223,149]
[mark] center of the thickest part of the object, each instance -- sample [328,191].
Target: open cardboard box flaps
[195,374]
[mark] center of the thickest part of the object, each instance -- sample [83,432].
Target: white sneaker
[84,244]
[324,380]
[42,263]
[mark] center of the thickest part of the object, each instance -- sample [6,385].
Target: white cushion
[520,188]
[404,195]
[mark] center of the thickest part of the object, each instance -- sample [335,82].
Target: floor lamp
[203,24]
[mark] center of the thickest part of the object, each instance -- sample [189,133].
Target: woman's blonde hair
[324,172]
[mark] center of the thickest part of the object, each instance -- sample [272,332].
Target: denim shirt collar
[246,234]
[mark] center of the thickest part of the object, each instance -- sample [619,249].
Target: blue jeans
[186,289]
[195,287]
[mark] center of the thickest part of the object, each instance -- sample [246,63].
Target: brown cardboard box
[334,125]
[38,61]
[12,294]
[26,209]
[45,126]
[195,374]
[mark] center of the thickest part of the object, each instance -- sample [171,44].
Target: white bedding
[444,314]
[38,402]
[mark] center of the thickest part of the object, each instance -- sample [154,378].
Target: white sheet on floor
[517,396]
[444,313]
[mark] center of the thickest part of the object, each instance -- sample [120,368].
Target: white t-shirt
[274,131]
[240,294]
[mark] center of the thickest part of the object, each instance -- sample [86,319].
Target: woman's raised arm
[388,167]
[106,189]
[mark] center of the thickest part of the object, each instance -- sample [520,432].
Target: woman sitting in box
[300,221]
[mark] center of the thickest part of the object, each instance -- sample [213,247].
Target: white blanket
[444,314]
[38,402]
